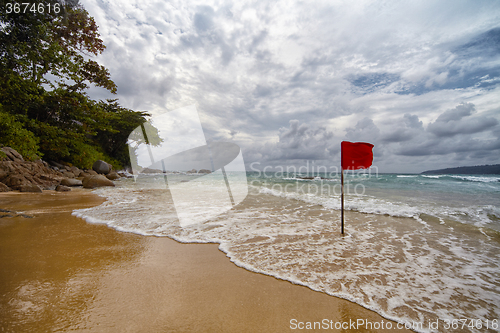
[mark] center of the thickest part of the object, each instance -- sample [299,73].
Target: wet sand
[60,273]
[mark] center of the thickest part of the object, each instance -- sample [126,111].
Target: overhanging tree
[46,63]
[34,44]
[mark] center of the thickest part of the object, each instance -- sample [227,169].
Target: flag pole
[342,200]
[342,191]
[359,155]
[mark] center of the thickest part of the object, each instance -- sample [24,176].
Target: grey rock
[148,170]
[29,188]
[68,174]
[4,188]
[112,176]
[101,167]
[71,182]
[12,154]
[62,188]
[96,181]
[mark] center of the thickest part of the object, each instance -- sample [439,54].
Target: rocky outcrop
[71,182]
[4,188]
[29,188]
[96,181]
[25,176]
[75,171]
[12,155]
[20,174]
[204,171]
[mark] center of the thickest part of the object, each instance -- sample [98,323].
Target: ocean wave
[469,178]
[384,264]
[481,179]
[479,216]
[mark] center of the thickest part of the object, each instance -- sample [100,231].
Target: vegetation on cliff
[46,65]
[468,170]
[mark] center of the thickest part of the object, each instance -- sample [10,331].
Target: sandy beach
[60,273]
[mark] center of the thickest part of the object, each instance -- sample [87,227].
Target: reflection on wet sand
[61,273]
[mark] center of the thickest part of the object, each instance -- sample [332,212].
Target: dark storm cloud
[466,147]
[289,80]
[471,64]
[458,121]
[405,129]
[453,133]
[365,130]
[462,138]
[262,91]
[462,110]
[301,142]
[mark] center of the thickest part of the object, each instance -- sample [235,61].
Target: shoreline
[64,273]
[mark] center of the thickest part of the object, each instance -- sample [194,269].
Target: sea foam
[395,259]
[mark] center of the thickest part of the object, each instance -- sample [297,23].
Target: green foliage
[114,127]
[14,135]
[84,155]
[37,43]
[62,124]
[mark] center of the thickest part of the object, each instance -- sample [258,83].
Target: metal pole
[342,200]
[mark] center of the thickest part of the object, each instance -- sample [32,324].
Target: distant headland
[469,170]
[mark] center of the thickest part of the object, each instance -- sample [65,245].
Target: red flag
[356,155]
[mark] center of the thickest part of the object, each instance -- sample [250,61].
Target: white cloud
[360,71]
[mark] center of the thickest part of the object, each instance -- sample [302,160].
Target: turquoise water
[417,248]
[473,199]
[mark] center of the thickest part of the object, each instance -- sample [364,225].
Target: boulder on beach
[68,174]
[123,174]
[101,167]
[148,170]
[27,176]
[112,175]
[29,188]
[96,181]
[71,182]
[62,188]
[75,171]
[204,171]
[15,180]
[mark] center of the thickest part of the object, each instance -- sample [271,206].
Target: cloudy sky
[289,80]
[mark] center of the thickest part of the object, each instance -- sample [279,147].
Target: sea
[417,249]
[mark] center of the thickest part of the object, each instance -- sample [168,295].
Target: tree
[13,134]
[114,127]
[34,44]
[46,63]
